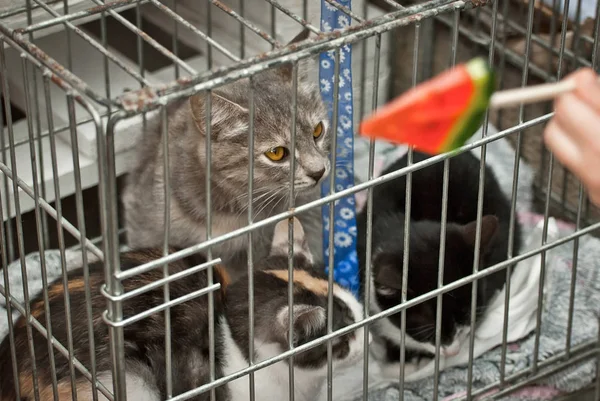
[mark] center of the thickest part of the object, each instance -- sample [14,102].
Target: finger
[573,158]
[564,148]
[577,119]
[590,177]
[588,88]
[590,180]
[595,198]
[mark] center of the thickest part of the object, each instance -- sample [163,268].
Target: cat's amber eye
[277,153]
[318,131]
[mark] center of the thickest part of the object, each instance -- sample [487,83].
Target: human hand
[573,134]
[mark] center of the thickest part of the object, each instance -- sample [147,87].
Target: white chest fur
[385,328]
[270,383]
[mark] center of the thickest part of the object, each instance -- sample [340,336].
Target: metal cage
[80,79]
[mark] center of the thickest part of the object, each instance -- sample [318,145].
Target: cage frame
[157,97]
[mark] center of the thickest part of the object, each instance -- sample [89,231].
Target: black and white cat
[389,201]
[145,339]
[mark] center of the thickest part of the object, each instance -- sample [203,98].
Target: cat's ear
[489,227]
[280,245]
[227,118]
[286,69]
[303,35]
[308,321]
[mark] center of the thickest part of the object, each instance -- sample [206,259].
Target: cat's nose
[317,175]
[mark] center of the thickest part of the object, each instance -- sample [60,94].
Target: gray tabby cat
[144,194]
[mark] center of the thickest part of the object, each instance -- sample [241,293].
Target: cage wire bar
[90,104]
[42,204]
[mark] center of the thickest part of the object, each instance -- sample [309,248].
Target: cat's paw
[415,362]
[412,365]
[390,371]
[378,350]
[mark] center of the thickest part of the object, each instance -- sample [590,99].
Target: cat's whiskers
[257,199]
[480,310]
[243,199]
[424,326]
[267,201]
[263,198]
[277,203]
[257,191]
[424,331]
[258,347]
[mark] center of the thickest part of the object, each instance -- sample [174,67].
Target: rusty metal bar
[293,16]
[147,98]
[246,22]
[195,30]
[113,5]
[345,10]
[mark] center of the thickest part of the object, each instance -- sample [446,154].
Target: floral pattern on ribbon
[346,271]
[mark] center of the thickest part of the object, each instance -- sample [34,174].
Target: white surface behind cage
[226,31]
[587,8]
[66,177]
[91,70]
[20,20]
[8,5]
[89,67]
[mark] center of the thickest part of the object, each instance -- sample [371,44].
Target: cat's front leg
[313,227]
[190,369]
[416,364]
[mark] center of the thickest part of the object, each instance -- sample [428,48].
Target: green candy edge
[484,79]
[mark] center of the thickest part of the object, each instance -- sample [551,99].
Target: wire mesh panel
[163,224]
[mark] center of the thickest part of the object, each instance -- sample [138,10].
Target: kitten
[143,196]
[424,242]
[272,319]
[144,339]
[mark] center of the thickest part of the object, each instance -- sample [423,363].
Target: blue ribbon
[345,269]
